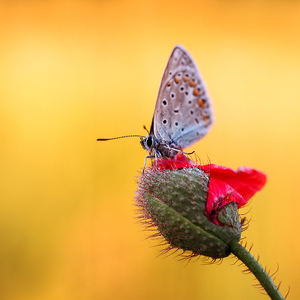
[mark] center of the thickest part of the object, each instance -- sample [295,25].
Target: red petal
[246,181]
[180,161]
[219,194]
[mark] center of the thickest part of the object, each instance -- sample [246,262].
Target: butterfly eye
[149,141]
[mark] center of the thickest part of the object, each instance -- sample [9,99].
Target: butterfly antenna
[121,137]
[146,129]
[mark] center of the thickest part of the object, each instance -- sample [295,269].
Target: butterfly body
[160,148]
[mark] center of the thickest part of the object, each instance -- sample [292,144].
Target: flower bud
[173,198]
[175,202]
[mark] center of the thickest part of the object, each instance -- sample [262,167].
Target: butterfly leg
[148,156]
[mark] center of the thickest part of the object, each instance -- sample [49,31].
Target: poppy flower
[194,207]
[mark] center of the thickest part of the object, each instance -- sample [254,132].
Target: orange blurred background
[75,71]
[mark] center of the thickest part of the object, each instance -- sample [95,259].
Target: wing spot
[176,111]
[205,116]
[202,103]
[169,83]
[186,77]
[176,79]
[172,95]
[176,123]
[192,83]
[191,112]
[165,102]
[197,121]
[182,129]
[182,88]
[196,92]
[190,102]
[204,113]
[164,121]
[186,93]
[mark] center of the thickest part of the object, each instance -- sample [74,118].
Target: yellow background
[74,71]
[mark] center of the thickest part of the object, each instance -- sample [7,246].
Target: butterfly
[183,111]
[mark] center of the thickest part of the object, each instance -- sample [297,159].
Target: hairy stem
[264,279]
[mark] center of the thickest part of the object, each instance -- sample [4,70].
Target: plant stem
[258,271]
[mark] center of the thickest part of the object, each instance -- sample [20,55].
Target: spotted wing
[183,111]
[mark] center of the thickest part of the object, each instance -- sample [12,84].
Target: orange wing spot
[169,83]
[201,103]
[196,92]
[185,79]
[176,79]
[205,118]
[192,83]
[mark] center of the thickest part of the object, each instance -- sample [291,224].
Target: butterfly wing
[183,110]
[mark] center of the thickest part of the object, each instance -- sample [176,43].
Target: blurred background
[75,71]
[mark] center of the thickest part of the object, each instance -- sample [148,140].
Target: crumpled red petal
[180,161]
[220,194]
[246,181]
[227,185]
